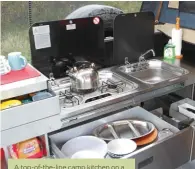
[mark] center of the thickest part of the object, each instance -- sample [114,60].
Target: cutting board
[14,76]
[133,36]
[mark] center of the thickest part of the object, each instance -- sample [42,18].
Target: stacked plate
[120,147]
[87,154]
[123,138]
[142,132]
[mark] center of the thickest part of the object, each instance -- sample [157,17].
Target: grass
[16,40]
[14,19]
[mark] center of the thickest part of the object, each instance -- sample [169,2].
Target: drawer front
[29,112]
[170,153]
[30,130]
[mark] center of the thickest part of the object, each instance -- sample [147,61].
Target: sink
[153,76]
[155,72]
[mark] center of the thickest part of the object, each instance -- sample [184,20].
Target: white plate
[90,143]
[87,154]
[121,147]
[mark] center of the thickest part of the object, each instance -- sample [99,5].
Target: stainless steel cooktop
[110,87]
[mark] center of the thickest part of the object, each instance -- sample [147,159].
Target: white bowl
[121,147]
[87,154]
[90,143]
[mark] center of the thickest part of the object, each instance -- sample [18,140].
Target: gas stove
[111,86]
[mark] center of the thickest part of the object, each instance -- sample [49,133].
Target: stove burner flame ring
[69,100]
[68,96]
[112,86]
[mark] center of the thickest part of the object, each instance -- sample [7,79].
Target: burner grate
[110,86]
[68,99]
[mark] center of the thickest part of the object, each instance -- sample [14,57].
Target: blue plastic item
[41,96]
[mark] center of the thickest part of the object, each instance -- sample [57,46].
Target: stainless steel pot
[84,79]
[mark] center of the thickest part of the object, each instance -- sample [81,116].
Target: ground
[15,25]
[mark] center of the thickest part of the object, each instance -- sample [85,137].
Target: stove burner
[68,99]
[112,86]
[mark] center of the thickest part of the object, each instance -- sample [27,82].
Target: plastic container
[169,52]
[41,96]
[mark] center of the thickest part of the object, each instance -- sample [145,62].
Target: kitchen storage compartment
[29,147]
[165,152]
[32,148]
[30,112]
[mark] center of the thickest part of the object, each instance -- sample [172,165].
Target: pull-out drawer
[30,130]
[167,152]
[26,113]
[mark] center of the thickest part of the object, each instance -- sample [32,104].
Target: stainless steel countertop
[190,67]
[142,93]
